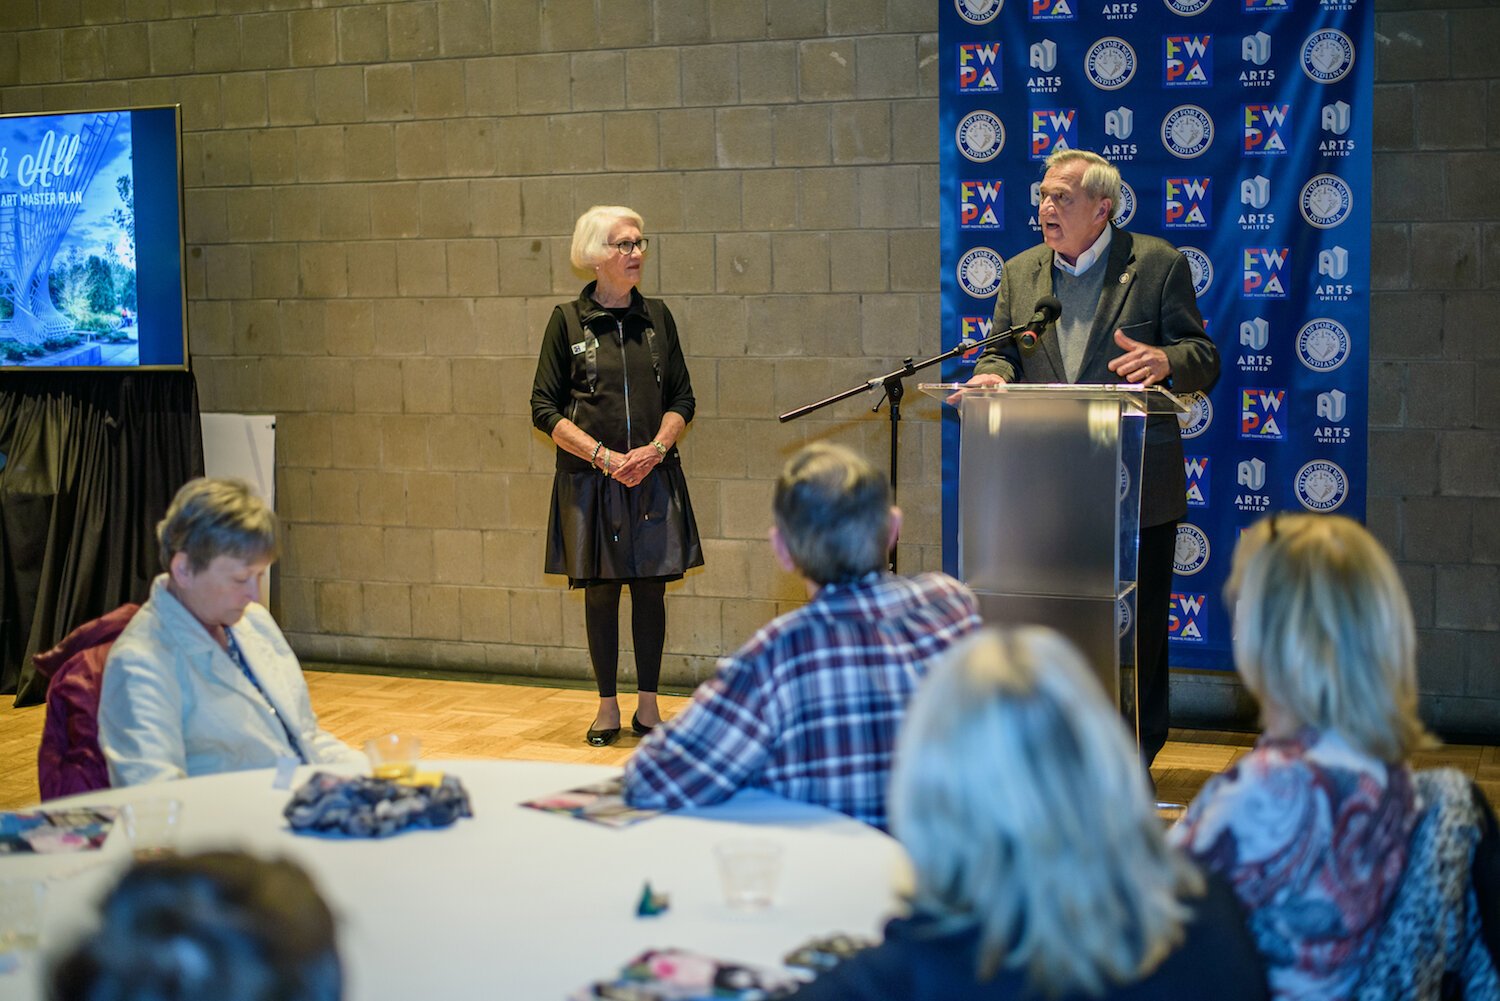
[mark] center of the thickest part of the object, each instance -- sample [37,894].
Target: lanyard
[238,656]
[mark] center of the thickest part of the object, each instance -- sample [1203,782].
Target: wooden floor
[466,719]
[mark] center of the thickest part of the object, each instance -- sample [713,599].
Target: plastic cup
[151,827]
[394,756]
[20,914]
[749,869]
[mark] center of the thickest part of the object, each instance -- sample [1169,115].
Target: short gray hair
[1324,631]
[1101,179]
[1028,818]
[833,511]
[217,517]
[591,233]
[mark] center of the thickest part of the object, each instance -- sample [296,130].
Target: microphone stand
[894,389]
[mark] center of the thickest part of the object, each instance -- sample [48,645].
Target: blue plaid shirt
[810,707]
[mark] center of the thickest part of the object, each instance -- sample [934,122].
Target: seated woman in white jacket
[202,680]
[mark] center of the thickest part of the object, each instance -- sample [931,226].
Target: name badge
[582,346]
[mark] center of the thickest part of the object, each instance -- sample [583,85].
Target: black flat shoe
[637,727]
[603,738]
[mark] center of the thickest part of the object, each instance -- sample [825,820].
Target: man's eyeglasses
[628,247]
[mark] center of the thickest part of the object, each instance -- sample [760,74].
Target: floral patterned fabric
[1313,836]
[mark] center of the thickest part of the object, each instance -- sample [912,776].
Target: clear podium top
[1130,396]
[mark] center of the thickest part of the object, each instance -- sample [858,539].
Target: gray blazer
[1148,290]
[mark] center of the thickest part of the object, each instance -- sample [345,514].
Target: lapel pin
[1125,278]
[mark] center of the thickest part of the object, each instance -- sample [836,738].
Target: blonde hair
[1023,805]
[210,518]
[1324,631]
[591,233]
[1101,179]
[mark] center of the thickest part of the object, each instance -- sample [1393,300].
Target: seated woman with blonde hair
[1041,869]
[1355,869]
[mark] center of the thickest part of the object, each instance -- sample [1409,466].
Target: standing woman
[612,389]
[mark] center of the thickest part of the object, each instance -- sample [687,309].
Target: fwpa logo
[1187,61]
[1053,10]
[978,68]
[1260,414]
[1267,6]
[1196,468]
[980,205]
[1187,619]
[1053,129]
[1263,272]
[1187,204]
[974,328]
[1266,129]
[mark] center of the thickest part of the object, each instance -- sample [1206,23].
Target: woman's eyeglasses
[628,247]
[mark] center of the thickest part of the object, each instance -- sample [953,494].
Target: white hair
[1023,805]
[1101,179]
[1324,631]
[591,233]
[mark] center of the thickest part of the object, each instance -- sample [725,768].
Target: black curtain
[88,464]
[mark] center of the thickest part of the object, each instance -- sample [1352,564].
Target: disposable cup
[749,869]
[394,756]
[151,827]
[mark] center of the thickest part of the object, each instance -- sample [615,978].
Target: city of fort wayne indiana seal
[980,136]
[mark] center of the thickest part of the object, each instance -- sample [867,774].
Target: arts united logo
[979,11]
[1201,267]
[1187,61]
[980,136]
[1335,119]
[1260,414]
[1187,204]
[1323,344]
[1255,336]
[1191,553]
[1187,8]
[1110,63]
[1198,417]
[1327,56]
[977,68]
[1321,485]
[1263,272]
[1053,129]
[979,272]
[1333,268]
[1053,10]
[1256,50]
[980,205]
[1332,408]
[1125,211]
[1042,58]
[1266,129]
[1186,619]
[1196,468]
[1120,10]
[1255,195]
[1250,481]
[1326,201]
[1187,131]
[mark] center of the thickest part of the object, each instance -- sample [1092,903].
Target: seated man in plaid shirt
[809,708]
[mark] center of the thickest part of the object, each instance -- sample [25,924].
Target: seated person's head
[1324,634]
[1022,803]
[833,514]
[217,539]
[222,926]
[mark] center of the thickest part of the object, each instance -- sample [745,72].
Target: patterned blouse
[1313,835]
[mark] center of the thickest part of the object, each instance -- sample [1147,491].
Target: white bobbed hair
[591,233]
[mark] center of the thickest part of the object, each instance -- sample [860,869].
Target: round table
[514,902]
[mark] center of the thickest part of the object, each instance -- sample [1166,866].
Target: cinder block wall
[379,201]
[380,198]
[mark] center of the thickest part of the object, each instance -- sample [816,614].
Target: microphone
[1048,309]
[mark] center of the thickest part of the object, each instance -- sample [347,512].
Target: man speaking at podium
[1129,314]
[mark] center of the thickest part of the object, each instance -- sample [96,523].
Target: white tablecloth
[514,903]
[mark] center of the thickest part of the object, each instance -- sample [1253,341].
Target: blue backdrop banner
[1243,131]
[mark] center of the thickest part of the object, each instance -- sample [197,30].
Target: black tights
[648,628]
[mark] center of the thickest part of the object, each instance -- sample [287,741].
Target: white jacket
[173,704]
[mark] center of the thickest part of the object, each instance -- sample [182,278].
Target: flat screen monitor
[91,241]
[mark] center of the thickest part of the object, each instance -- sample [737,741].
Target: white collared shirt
[1087,258]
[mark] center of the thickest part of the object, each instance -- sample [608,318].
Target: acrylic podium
[1049,512]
